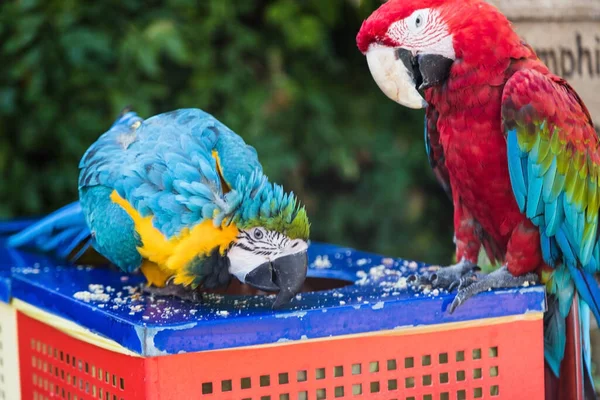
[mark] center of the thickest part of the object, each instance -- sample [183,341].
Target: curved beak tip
[285,275]
[290,274]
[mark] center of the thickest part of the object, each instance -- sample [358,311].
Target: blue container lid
[110,303]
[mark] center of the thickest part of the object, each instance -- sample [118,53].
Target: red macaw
[513,145]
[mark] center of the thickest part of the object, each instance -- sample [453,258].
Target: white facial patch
[392,77]
[242,262]
[423,32]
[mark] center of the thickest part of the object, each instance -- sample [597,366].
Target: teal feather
[535,206]
[579,227]
[516,169]
[570,217]
[549,178]
[550,250]
[554,215]
[427,143]
[588,243]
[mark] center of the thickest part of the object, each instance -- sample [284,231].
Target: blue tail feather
[83,236]
[13,226]
[554,335]
[587,287]
[58,233]
[584,317]
[84,248]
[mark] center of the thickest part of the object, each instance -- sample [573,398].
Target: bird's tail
[588,302]
[63,234]
[567,336]
[10,227]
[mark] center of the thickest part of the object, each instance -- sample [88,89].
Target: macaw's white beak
[393,77]
[400,74]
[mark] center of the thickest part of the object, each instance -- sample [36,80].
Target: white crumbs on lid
[361,262]
[322,262]
[401,283]
[95,288]
[87,296]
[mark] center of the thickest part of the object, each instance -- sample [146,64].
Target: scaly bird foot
[450,277]
[500,278]
[171,289]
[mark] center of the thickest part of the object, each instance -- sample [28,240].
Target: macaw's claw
[450,277]
[174,290]
[500,278]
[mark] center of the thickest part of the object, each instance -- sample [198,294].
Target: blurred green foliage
[285,74]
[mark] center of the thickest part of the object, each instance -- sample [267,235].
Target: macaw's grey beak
[285,275]
[400,74]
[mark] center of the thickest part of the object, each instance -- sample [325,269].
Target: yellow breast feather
[172,255]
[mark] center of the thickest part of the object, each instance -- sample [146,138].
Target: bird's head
[270,250]
[412,45]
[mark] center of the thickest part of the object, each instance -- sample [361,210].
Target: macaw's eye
[418,21]
[258,234]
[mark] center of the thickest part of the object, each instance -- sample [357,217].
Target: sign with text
[566,36]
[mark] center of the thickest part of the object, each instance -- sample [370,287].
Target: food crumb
[322,262]
[87,296]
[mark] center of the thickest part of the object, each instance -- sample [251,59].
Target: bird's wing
[554,166]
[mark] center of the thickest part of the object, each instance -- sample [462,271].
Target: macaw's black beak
[426,70]
[285,275]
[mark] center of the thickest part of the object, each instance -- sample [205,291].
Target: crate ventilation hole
[399,380]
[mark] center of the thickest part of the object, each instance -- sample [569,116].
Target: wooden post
[566,36]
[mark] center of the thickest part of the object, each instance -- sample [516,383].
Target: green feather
[570,182]
[544,150]
[266,205]
[525,140]
[592,200]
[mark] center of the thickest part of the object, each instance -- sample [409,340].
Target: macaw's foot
[500,278]
[448,277]
[171,289]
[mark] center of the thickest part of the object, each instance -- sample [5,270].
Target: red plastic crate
[498,358]
[55,365]
[369,337]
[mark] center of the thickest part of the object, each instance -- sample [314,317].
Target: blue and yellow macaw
[183,198]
